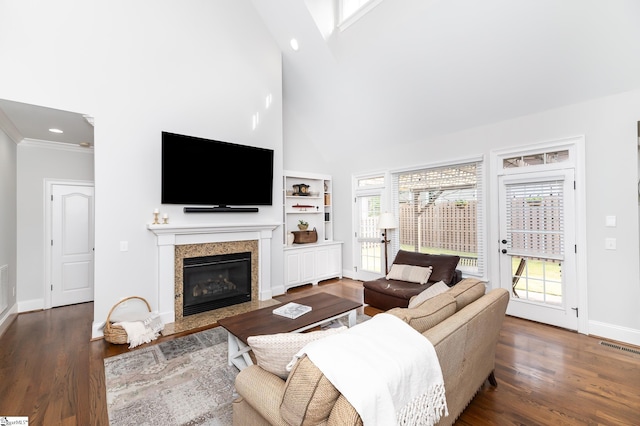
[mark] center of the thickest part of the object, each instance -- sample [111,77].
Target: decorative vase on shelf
[303,227]
[290,238]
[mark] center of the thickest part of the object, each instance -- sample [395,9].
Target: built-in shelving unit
[308,197]
[312,205]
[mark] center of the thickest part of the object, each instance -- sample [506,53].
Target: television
[217,174]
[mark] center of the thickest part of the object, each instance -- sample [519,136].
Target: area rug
[186,381]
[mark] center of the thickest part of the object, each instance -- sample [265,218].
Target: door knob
[504,241]
[504,251]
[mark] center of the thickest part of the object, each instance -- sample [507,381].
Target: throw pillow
[466,291]
[432,291]
[274,351]
[410,273]
[428,314]
[308,396]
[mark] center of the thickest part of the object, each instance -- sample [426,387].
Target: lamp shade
[387,221]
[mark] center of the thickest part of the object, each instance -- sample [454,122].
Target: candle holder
[156,220]
[165,220]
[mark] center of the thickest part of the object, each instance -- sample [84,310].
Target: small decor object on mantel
[292,310]
[156,214]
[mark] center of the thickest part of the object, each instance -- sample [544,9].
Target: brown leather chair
[385,294]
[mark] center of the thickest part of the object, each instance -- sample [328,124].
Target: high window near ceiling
[440,211]
[350,11]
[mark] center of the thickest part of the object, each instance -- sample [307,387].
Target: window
[352,10]
[440,211]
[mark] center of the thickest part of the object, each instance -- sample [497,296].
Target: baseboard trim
[7,319]
[614,332]
[31,305]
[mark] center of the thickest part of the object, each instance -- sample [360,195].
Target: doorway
[368,257]
[537,246]
[70,234]
[541,231]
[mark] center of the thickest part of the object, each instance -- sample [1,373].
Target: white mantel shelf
[187,229]
[170,235]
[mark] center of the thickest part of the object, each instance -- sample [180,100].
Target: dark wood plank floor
[51,372]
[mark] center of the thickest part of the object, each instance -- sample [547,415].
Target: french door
[537,246]
[368,247]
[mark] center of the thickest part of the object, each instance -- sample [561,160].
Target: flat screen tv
[204,172]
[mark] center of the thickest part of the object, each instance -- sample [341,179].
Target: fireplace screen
[213,282]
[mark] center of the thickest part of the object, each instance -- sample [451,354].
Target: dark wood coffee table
[325,308]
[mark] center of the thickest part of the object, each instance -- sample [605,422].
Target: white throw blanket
[386,370]
[139,332]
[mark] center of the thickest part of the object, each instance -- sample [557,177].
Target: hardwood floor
[52,373]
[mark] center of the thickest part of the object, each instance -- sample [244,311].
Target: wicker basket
[115,333]
[305,237]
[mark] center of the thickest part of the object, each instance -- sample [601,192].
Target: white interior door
[72,247]
[368,248]
[537,246]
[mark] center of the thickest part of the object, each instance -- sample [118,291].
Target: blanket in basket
[144,331]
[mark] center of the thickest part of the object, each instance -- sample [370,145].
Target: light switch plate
[610,221]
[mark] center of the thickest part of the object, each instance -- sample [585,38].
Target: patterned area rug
[185,381]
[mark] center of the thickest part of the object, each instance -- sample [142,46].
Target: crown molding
[60,146]
[9,128]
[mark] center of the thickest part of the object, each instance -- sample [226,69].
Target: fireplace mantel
[187,229]
[170,235]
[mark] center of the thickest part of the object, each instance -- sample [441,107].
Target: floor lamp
[386,221]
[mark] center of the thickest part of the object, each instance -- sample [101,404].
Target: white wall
[194,67]
[37,163]
[8,153]
[609,125]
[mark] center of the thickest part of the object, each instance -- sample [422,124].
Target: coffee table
[325,308]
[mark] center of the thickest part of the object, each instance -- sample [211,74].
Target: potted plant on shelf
[302,225]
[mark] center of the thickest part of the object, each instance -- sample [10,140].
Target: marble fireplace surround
[214,238]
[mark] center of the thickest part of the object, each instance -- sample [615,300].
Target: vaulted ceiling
[434,67]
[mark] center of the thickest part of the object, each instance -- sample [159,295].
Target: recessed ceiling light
[294,44]
[56,131]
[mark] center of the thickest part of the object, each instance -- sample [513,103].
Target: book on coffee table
[292,310]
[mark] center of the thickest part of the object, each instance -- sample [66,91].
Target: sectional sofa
[463,324]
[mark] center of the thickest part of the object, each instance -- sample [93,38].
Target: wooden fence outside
[448,226]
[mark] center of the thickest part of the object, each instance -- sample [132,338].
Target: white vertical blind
[534,219]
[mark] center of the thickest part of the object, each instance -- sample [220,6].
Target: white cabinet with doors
[312,263]
[308,198]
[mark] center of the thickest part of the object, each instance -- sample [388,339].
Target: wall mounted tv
[216,174]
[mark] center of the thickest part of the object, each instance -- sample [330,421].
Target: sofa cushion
[432,291]
[444,265]
[410,273]
[466,291]
[308,396]
[274,351]
[431,312]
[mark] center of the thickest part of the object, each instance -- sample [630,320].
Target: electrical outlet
[124,245]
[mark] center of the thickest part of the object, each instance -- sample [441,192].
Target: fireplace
[216,281]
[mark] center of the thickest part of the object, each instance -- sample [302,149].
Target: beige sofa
[462,323]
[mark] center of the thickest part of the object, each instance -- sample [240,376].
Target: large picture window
[440,211]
